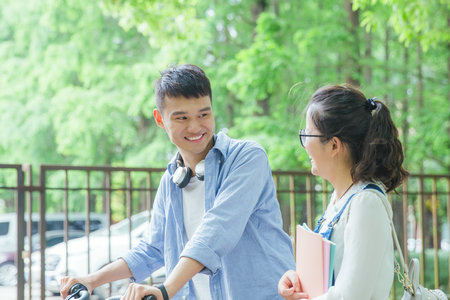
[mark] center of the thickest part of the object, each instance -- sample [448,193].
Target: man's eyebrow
[177,113]
[208,108]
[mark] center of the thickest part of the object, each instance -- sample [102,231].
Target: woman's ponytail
[382,155]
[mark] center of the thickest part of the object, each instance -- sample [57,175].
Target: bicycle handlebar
[80,292]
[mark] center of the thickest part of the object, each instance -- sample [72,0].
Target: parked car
[54,234]
[98,255]
[51,238]
[8,269]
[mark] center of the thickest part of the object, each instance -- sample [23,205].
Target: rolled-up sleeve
[223,225]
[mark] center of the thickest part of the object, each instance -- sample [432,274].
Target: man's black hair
[185,80]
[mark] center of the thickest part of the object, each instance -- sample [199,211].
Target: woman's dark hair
[185,80]
[366,127]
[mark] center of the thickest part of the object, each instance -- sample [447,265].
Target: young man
[220,236]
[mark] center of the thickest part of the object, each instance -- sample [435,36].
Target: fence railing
[421,209]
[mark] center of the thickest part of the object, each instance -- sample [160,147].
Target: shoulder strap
[373,187]
[403,277]
[338,215]
[327,234]
[394,234]
[336,218]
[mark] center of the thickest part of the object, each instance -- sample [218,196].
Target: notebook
[314,261]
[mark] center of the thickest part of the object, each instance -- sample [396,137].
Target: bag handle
[404,278]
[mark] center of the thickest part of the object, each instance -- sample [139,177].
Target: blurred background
[77,89]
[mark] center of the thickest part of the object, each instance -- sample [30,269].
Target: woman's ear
[336,146]
[158,118]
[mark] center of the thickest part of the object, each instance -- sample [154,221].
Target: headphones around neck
[183,174]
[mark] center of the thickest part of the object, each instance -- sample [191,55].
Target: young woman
[352,143]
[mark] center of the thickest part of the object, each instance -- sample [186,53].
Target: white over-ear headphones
[183,174]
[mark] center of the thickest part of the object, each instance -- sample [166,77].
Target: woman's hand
[289,286]
[137,291]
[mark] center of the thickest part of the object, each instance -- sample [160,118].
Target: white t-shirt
[193,211]
[364,255]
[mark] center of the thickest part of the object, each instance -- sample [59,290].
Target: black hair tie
[371,105]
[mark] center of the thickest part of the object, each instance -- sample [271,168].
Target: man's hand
[289,286]
[67,282]
[138,291]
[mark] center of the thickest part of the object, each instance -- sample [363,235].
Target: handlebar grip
[149,297]
[79,292]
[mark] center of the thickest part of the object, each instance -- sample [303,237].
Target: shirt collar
[221,143]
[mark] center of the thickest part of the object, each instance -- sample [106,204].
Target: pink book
[309,261]
[326,264]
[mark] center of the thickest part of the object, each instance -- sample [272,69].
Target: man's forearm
[114,271]
[185,269]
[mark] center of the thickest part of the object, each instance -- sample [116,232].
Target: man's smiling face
[190,125]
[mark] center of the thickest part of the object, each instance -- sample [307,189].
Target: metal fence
[421,209]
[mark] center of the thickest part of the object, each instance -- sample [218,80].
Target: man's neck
[192,159]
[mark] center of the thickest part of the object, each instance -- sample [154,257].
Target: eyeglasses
[302,135]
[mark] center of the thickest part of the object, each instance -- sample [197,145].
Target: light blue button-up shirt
[240,240]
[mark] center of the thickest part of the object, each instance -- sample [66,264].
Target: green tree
[77,80]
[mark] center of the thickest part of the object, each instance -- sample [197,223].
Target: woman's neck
[341,176]
[342,185]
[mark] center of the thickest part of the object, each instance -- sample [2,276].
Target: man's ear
[158,118]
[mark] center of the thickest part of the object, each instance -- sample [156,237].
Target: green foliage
[413,20]
[76,85]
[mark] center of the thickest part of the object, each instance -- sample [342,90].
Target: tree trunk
[448,80]
[386,65]
[143,126]
[368,57]
[319,53]
[405,107]
[419,77]
[257,8]
[276,8]
[339,67]
[264,105]
[353,72]
[230,110]
[426,238]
